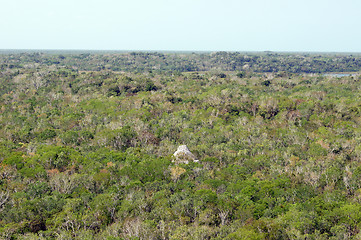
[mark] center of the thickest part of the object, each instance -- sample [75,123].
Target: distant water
[339,74]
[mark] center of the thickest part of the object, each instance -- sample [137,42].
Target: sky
[182,25]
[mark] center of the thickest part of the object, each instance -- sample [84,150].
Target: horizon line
[171,51]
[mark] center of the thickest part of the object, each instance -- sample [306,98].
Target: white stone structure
[183,155]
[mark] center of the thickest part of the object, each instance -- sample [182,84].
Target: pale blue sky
[194,25]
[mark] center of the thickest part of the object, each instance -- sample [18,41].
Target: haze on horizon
[188,25]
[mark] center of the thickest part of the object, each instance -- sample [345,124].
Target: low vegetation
[86,144]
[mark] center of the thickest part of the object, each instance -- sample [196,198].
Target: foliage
[86,144]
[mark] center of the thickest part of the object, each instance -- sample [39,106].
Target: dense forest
[139,62]
[87,143]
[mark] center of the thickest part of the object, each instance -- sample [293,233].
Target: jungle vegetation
[86,144]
